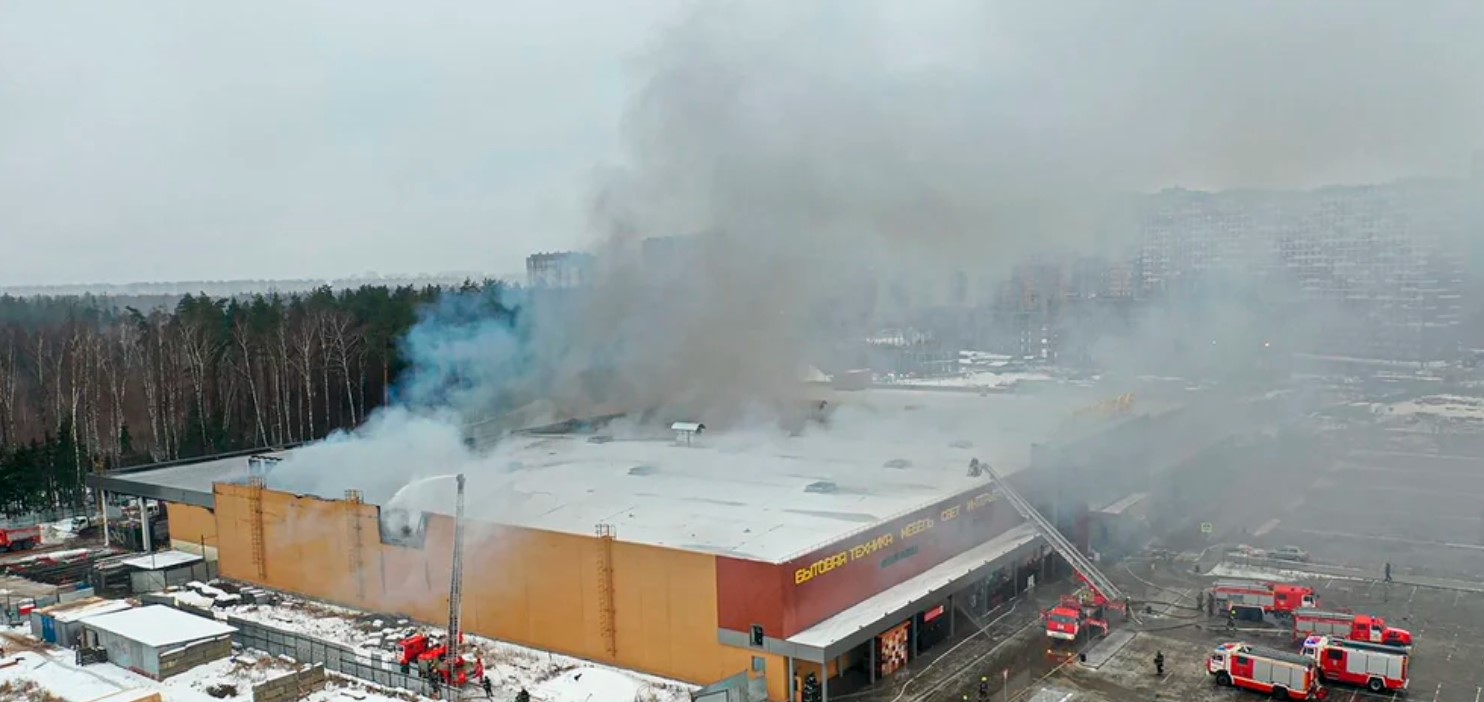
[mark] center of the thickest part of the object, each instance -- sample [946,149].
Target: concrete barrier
[291,686]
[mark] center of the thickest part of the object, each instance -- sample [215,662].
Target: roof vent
[976,468]
[643,470]
[261,465]
[822,486]
[897,463]
[686,432]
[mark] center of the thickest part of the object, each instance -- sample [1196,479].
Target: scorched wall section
[790,597]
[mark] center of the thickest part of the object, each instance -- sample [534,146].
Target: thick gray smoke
[819,154]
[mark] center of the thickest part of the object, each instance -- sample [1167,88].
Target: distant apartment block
[1380,266]
[562,269]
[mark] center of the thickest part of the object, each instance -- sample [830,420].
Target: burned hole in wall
[400,527]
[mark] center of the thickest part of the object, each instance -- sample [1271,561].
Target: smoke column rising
[811,145]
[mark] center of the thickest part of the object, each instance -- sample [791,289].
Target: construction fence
[157,580]
[14,603]
[334,657]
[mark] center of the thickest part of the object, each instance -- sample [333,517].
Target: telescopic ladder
[1059,543]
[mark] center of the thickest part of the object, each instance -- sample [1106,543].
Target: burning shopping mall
[843,547]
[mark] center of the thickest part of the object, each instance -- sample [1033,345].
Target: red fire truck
[1075,617]
[429,654]
[1279,674]
[1376,668]
[1273,598]
[19,538]
[1343,625]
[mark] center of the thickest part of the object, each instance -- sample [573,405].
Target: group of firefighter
[432,672]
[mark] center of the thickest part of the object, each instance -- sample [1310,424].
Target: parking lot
[1361,499]
[1445,664]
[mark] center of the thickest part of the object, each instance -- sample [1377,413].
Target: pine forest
[91,384]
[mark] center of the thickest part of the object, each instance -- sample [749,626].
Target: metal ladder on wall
[605,589]
[1059,543]
[357,562]
[255,527]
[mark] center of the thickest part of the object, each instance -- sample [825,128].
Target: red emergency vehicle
[1277,673]
[1343,625]
[429,654]
[1377,668]
[1273,598]
[20,538]
[1074,618]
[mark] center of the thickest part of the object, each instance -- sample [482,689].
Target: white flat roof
[163,559]
[158,626]
[743,493]
[883,604]
[1123,504]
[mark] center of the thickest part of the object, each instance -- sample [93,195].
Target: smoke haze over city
[831,167]
[772,344]
[315,159]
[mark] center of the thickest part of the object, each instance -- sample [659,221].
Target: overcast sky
[184,140]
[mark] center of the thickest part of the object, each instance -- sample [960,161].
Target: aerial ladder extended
[1102,587]
[456,588]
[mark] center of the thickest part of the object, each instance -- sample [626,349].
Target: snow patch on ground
[41,668]
[977,379]
[593,684]
[509,667]
[1226,569]
[1448,407]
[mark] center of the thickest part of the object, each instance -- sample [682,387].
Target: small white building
[153,572]
[158,641]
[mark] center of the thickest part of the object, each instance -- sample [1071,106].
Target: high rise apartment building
[1379,268]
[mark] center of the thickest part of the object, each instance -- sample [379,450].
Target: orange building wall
[536,588]
[191,528]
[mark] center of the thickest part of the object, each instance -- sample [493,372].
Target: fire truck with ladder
[1276,599]
[1279,674]
[1374,667]
[1344,625]
[1077,614]
[442,660]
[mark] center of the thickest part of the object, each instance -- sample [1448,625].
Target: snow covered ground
[548,677]
[1456,408]
[35,672]
[972,380]
[1227,569]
